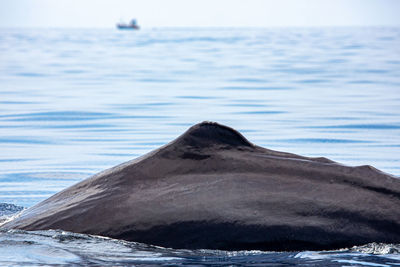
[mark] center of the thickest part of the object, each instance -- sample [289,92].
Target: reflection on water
[74,102]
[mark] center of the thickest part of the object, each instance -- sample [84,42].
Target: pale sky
[199,13]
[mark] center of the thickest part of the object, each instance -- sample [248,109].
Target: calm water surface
[74,102]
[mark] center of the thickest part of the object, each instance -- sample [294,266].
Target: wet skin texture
[212,188]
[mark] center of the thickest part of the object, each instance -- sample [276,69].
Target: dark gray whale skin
[211,188]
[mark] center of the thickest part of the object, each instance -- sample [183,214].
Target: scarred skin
[211,188]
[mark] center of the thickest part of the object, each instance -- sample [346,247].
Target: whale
[211,188]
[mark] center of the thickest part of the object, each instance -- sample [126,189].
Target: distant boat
[130,26]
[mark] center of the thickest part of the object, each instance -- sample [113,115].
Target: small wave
[62,247]
[378,248]
[30,74]
[8,209]
[59,116]
[361,126]
[323,140]
[9,212]
[50,246]
[256,88]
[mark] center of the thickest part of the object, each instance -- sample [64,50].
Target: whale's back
[212,188]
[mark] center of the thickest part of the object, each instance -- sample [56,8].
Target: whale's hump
[208,134]
[212,188]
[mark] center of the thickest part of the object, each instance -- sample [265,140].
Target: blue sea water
[76,101]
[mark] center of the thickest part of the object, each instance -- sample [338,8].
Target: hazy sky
[155,13]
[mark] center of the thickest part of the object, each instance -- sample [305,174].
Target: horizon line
[207,27]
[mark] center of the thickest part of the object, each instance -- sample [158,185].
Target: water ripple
[262,88]
[323,140]
[24,140]
[360,126]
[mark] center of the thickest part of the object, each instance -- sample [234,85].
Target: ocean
[74,102]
